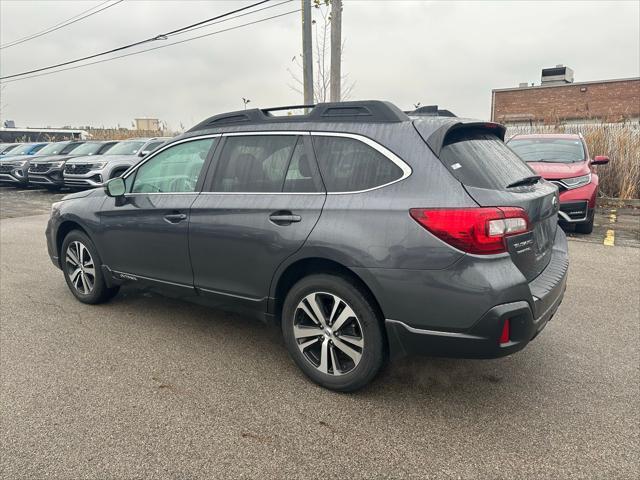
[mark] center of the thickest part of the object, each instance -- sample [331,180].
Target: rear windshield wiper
[525,181]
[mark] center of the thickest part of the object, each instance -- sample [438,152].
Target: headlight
[57,164]
[98,166]
[20,163]
[576,182]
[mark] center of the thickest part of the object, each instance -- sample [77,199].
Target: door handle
[175,217]
[284,218]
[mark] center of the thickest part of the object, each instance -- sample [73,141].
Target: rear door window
[350,165]
[479,159]
[254,163]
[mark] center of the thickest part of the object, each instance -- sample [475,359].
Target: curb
[619,202]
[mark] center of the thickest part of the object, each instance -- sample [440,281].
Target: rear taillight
[474,230]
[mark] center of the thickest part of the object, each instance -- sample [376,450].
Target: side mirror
[115,187]
[144,153]
[600,160]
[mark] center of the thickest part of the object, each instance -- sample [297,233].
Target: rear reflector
[474,230]
[505,336]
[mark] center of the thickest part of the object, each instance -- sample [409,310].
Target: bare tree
[321,57]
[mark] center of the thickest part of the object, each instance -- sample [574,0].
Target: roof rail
[369,111]
[431,111]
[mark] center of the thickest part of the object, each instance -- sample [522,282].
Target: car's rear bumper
[527,318]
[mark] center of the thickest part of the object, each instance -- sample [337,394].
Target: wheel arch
[303,267]
[63,230]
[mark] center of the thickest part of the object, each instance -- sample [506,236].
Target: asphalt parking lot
[149,387]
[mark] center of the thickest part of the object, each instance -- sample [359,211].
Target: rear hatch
[494,176]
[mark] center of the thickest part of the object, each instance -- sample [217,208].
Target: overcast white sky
[435,52]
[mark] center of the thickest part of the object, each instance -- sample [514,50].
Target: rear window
[349,165]
[482,160]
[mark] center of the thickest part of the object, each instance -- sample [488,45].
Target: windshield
[52,148]
[8,148]
[557,150]
[126,148]
[23,150]
[88,148]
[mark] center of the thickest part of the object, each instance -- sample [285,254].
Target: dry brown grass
[620,142]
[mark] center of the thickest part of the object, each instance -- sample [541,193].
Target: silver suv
[93,172]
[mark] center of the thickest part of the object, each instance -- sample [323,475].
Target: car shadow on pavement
[241,338]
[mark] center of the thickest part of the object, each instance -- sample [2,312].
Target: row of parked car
[73,164]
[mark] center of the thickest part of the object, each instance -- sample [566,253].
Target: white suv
[93,171]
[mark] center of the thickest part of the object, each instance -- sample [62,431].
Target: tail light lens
[482,231]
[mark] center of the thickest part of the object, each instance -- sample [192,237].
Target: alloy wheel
[328,333]
[80,268]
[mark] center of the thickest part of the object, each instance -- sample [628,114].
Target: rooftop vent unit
[558,75]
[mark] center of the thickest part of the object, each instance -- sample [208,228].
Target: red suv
[564,159]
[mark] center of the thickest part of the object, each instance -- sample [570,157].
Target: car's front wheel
[333,332]
[82,269]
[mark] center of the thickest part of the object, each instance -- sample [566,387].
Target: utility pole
[307,55]
[336,49]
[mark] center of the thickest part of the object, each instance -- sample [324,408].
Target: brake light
[482,231]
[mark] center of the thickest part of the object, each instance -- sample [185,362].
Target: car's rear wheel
[82,269]
[333,332]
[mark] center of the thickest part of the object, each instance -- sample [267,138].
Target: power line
[240,15]
[162,36]
[155,48]
[60,25]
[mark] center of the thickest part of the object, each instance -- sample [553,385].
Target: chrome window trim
[163,148]
[406,169]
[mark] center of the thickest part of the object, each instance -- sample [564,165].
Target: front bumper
[52,177]
[90,179]
[16,176]
[575,212]
[52,248]
[527,318]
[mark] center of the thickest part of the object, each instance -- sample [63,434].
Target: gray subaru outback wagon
[363,232]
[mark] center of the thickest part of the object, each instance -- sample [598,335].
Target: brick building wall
[605,101]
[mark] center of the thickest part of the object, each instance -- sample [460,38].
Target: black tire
[586,227]
[98,292]
[369,326]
